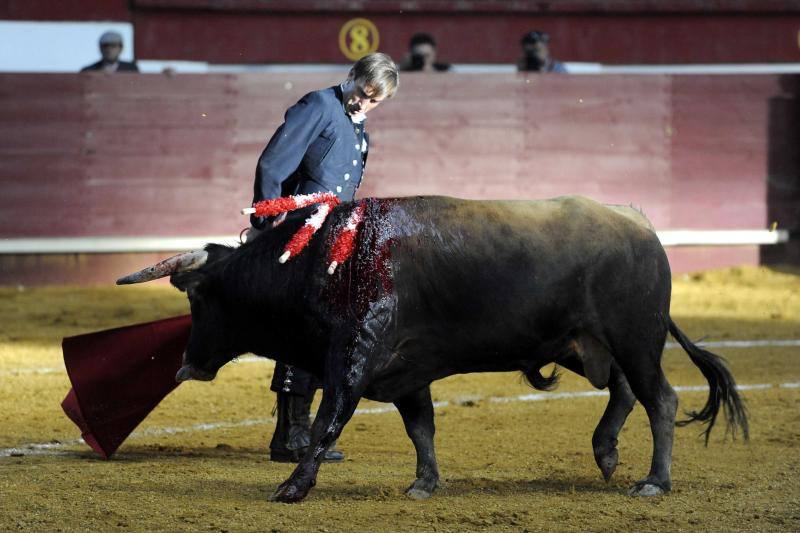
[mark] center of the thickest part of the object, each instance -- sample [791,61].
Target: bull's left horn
[177,263]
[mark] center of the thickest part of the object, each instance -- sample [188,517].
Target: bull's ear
[186,281]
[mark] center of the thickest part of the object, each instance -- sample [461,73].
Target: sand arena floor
[198,463]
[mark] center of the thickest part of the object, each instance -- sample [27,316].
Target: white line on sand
[57,448]
[29,371]
[759,343]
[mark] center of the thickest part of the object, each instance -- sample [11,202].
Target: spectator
[422,55]
[110,49]
[536,54]
[321,147]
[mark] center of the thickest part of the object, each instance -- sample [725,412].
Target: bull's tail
[722,388]
[539,381]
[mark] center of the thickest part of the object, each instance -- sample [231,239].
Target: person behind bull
[110,49]
[321,147]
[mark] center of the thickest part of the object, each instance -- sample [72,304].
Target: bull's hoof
[607,462]
[421,489]
[418,494]
[288,494]
[646,488]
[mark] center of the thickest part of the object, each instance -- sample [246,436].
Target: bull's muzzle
[189,372]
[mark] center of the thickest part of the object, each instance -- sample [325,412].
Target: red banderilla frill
[276,206]
[284,204]
[345,240]
[303,235]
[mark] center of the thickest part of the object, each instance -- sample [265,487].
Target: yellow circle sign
[357,38]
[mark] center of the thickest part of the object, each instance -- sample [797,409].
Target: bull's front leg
[337,406]
[347,370]
[417,412]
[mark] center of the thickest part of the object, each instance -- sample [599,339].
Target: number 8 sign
[357,38]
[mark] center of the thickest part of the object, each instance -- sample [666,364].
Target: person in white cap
[110,49]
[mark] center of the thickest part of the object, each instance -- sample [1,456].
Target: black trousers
[289,379]
[293,380]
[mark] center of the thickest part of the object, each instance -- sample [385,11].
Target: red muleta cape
[119,375]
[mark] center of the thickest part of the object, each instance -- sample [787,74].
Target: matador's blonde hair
[378,71]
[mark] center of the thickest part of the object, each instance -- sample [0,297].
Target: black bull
[439,286]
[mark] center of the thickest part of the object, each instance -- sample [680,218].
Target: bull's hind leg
[620,404]
[417,412]
[604,441]
[650,386]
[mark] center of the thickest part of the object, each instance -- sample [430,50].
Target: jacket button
[338,188]
[346,177]
[358,146]
[355,162]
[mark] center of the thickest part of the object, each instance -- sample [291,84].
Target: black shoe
[334,456]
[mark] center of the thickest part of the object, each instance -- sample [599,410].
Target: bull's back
[469,237]
[500,270]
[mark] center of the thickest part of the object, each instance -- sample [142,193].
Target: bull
[438,286]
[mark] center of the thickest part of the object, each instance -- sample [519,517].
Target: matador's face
[363,100]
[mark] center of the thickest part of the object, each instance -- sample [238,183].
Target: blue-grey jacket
[317,148]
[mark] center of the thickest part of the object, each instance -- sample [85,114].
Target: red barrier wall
[96,155]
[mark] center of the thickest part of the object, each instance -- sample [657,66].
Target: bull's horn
[177,263]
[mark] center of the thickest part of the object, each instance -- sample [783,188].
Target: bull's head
[209,348]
